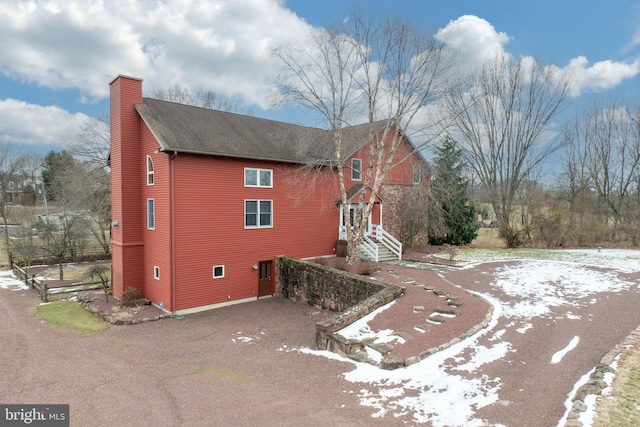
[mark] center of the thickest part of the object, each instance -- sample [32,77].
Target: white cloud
[474,39]
[599,76]
[220,45]
[24,123]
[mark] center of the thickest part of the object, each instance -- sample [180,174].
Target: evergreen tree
[451,216]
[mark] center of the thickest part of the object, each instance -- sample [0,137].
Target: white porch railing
[369,248]
[388,240]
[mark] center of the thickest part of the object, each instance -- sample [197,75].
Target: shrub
[130,297]
[366,268]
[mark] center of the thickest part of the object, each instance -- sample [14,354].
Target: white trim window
[356,170]
[254,177]
[258,213]
[417,174]
[218,271]
[150,176]
[156,272]
[151,214]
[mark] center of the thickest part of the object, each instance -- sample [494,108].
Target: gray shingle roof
[191,129]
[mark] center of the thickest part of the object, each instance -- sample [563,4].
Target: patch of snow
[484,355]
[360,328]
[536,286]
[437,314]
[587,417]
[568,403]
[498,335]
[245,339]
[625,260]
[426,389]
[9,281]
[373,354]
[559,355]
[524,328]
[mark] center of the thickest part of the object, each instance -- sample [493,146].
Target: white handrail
[369,248]
[388,240]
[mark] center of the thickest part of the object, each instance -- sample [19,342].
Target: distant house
[204,200]
[21,189]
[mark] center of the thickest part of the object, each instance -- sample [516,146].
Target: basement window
[218,271]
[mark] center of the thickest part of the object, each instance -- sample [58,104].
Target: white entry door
[355,212]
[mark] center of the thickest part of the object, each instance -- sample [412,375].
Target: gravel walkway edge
[595,384]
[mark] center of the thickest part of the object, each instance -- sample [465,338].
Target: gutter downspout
[172,222]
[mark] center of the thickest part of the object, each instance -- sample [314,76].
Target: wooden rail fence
[45,291]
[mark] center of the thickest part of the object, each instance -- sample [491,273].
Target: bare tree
[10,165]
[64,231]
[200,97]
[612,147]
[378,72]
[92,144]
[412,214]
[502,117]
[576,186]
[31,171]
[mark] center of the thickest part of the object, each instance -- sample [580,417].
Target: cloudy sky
[57,57]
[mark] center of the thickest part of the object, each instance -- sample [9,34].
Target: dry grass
[488,239]
[76,272]
[622,406]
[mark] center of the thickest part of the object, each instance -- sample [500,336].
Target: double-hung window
[151,214]
[356,169]
[258,213]
[258,177]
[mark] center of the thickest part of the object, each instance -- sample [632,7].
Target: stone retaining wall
[323,287]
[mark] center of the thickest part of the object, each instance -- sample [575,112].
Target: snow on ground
[559,355]
[9,281]
[437,389]
[624,260]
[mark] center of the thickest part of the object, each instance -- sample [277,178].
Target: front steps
[384,254]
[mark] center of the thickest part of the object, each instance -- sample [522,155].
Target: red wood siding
[157,242]
[126,239]
[209,219]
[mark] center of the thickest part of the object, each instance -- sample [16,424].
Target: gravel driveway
[219,368]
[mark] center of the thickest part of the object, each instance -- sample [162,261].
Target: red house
[204,200]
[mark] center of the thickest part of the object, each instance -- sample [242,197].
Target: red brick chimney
[126,186]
